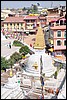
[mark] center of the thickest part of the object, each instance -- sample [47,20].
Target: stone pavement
[5,50]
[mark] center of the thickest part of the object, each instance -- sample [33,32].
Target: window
[32,20]
[59,42]
[57,22]
[18,24]
[14,24]
[21,24]
[10,23]
[61,22]
[65,22]
[59,33]
[65,34]
[64,42]
[58,53]
[27,20]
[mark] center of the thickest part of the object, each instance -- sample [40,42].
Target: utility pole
[41,77]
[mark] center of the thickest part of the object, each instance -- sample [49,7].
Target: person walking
[10,45]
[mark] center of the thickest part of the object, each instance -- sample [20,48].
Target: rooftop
[14,19]
[31,17]
[59,27]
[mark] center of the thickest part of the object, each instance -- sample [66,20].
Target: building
[53,11]
[43,20]
[6,13]
[62,10]
[30,24]
[59,30]
[14,24]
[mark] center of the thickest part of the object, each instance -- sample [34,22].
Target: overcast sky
[21,4]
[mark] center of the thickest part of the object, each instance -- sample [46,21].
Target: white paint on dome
[48,67]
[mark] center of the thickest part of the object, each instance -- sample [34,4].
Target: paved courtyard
[5,50]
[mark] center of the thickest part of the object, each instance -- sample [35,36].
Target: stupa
[33,64]
[40,42]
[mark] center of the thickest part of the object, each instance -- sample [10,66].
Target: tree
[11,62]
[35,8]
[24,50]
[55,75]
[38,4]
[4,63]
[28,11]
[31,5]
[16,57]
[17,43]
[24,9]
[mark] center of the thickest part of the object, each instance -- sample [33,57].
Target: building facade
[30,24]
[59,38]
[14,24]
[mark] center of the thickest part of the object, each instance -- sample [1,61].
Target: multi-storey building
[59,40]
[6,13]
[30,24]
[43,20]
[14,24]
[27,24]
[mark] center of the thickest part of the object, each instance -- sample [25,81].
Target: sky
[21,4]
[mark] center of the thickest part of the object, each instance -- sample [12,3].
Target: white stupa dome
[48,67]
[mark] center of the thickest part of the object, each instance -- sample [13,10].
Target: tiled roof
[53,19]
[42,18]
[31,17]
[59,27]
[14,19]
[56,18]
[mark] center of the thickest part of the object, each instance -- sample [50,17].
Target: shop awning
[54,20]
[63,19]
[51,49]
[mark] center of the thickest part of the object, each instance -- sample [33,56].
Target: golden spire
[40,42]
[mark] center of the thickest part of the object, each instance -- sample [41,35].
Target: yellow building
[14,24]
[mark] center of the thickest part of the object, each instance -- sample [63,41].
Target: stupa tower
[40,42]
[40,60]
